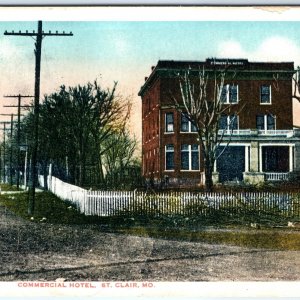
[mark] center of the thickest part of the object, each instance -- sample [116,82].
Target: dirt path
[30,251]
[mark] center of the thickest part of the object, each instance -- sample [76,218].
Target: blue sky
[125,51]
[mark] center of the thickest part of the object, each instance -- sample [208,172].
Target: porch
[276,176]
[255,162]
[250,132]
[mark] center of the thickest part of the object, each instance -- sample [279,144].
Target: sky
[124,51]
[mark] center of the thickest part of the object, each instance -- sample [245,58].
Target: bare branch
[275,82]
[296,85]
[204,108]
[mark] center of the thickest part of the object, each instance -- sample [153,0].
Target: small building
[264,145]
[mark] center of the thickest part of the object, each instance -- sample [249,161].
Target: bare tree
[296,87]
[202,102]
[118,156]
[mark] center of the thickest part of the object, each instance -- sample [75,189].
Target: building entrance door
[231,164]
[275,159]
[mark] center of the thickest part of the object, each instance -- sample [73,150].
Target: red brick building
[264,145]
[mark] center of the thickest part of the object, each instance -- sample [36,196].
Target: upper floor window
[266,122]
[187,125]
[265,94]
[169,153]
[169,122]
[190,157]
[230,93]
[228,122]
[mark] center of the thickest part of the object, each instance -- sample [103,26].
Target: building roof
[164,67]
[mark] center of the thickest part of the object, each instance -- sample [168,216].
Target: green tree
[74,124]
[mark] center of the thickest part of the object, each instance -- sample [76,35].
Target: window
[170,157]
[233,122]
[229,93]
[186,125]
[265,94]
[169,120]
[271,122]
[275,159]
[266,122]
[223,124]
[189,157]
[228,122]
[260,122]
[233,93]
[224,94]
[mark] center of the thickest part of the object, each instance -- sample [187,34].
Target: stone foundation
[254,177]
[215,177]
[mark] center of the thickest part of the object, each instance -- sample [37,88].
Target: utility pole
[19,106]
[11,148]
[10,157]
[38,49]
[4,152]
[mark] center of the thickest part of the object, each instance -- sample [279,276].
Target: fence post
[135,197]
[84,201]
[49,178]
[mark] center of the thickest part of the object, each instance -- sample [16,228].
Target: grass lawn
[7,187]
[276,239]
[59,212]
[47,206]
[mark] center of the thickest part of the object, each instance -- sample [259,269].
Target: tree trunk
[82,162]
[81,169]
[100,172]
[208,175]
[80,174]
[45,173]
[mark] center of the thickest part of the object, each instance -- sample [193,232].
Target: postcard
[149,152]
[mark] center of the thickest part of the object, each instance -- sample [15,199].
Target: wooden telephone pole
[19,106]
[4,148]
[39,35]
[11,151]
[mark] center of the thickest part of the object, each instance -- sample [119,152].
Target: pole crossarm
[17,96]
[7,122]
[17,106]
[33,33]
[11,115]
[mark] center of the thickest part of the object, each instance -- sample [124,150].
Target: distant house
[264,145]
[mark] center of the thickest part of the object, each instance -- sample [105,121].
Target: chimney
[152,68]
[146,78]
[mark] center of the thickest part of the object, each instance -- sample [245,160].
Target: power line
[39,35]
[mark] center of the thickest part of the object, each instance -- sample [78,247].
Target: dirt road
[30,251]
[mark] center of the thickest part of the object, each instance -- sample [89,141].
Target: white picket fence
[99,203]
[66,191]
[110,203]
